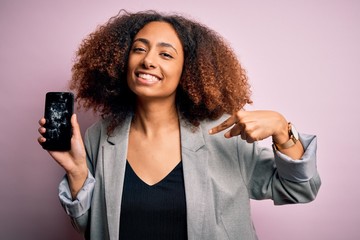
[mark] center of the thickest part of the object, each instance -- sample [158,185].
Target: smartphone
[59,107]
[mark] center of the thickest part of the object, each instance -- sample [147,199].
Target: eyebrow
[161,44]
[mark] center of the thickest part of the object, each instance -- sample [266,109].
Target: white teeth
[148,77]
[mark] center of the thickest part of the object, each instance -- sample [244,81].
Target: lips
[147,79]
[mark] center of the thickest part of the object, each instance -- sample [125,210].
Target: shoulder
[208,124]
[218,141]
[98,127]
[97,132]
[212,123]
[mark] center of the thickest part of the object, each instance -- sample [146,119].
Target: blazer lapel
[114,162]
[194,158]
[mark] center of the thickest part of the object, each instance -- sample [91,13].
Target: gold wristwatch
[294,137]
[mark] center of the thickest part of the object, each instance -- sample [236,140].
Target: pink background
[303,60]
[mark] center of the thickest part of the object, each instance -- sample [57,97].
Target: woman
[154,167]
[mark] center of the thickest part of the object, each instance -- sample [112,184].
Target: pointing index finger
[224,125]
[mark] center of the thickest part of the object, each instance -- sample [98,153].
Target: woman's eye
[138,49]
[166,55]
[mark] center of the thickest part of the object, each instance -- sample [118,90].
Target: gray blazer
[220,175]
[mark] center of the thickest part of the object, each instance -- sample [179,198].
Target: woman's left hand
[255,125]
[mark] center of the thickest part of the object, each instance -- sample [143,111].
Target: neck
[153,118]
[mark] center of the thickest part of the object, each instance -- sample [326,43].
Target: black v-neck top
[153,212]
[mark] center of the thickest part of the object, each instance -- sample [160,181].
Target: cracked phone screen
[58,111]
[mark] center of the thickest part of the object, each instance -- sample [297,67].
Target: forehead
[159,32]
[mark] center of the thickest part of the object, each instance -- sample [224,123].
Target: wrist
[282,134]
[76,180]
[77,174]
[286,140]
[281,137]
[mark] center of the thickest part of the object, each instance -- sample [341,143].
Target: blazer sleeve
[269,174]
[78,208]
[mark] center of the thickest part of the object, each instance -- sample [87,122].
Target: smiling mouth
[148,77]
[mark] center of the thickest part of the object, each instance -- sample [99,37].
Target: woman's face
[155,62]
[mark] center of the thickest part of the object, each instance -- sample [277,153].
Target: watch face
[294,132]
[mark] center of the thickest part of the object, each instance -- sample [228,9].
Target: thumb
[75,126]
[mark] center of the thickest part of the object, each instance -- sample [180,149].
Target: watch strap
[288,144]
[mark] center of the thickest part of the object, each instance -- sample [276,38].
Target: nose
[149,61]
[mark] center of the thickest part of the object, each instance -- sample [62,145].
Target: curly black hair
[212,83]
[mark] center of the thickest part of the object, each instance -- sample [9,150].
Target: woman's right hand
[74,160]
